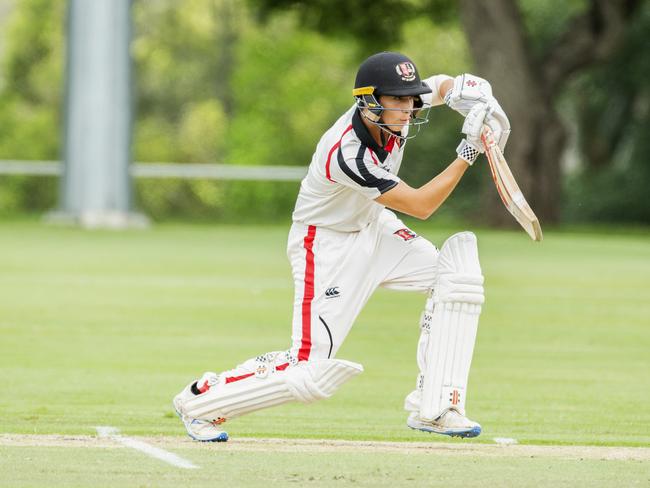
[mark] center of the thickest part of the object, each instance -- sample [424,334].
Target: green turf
[82,467]
[103,328]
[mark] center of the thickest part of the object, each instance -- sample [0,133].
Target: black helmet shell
[389,73]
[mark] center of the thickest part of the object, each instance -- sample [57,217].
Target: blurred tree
[612,110]
[183,58]
[530,84]
[209,80]
[183,53]
[30,99]
[215,85]
[527,75]
[284,98]
[620,90]
[283,101]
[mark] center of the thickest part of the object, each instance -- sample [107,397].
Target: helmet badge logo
[406,71]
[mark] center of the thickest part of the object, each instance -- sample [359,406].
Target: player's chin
[398,127]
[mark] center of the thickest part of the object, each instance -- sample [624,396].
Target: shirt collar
[364,136]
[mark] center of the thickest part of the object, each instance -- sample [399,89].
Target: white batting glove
[497,120]
[468,90]
[471,147]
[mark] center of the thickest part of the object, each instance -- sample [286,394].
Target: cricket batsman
[345,241]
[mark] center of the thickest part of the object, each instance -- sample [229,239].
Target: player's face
[399,113]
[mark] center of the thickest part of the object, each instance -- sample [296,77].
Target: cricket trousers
[335,273]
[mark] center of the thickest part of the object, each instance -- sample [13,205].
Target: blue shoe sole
[475,432]
[223,437]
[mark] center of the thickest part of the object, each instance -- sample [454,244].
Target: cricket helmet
[388,73]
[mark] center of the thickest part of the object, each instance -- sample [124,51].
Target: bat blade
[508,189]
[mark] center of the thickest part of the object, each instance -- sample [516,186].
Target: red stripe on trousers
[232,379]
[308,296]
[237,378]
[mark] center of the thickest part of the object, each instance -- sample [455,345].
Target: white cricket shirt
[347,172]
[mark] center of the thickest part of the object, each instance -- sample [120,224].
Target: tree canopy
[257,82]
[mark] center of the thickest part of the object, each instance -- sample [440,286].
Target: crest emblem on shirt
[406,71]
[406,234]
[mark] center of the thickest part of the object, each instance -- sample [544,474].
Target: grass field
[103,328]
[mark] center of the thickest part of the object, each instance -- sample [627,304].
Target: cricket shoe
[204,430]
[197,429]
[451,422]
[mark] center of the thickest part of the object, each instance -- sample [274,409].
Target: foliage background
[217,82]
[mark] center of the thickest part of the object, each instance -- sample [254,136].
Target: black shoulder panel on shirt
[367,179]
[346,169]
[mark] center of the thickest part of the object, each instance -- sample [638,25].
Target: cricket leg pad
[264,382]
[449,325]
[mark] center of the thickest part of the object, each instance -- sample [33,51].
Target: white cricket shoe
[451,422]
[199,430]
[204,430]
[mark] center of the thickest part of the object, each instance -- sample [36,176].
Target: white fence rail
[208,171]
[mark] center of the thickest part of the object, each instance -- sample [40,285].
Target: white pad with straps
[306,382]
[449,325]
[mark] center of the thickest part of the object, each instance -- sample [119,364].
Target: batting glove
[471,147]
[497,120]
[468,90]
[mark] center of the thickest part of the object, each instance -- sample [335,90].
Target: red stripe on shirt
[372,155]
[390,143]
[308,296]
[334,148]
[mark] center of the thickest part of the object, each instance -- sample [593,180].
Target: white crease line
[169,457]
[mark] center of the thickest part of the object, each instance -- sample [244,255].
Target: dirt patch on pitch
[33,440]
[460,448]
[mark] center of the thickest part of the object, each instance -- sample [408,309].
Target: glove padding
[498,122]
[470,90]
[473,125]
[476,119]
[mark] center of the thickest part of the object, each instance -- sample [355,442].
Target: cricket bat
[508,189]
